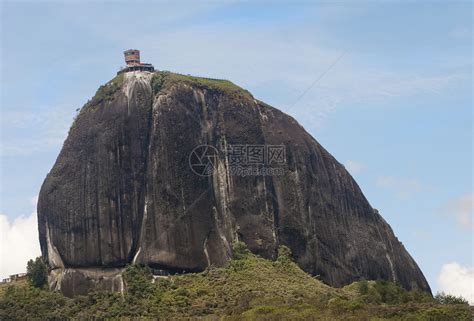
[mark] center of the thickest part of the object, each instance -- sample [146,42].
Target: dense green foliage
[443,298]
[381,291]
[37,272]
[249,288]
[158,80]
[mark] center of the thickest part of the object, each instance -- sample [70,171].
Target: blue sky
[395,108]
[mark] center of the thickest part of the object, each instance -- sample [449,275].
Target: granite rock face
[122,191]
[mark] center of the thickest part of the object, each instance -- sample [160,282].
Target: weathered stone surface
[79,281]
[122,190]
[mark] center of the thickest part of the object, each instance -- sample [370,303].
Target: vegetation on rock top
[162,78]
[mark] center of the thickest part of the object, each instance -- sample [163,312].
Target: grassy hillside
[249,288]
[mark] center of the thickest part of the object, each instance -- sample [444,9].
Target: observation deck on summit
[132,61]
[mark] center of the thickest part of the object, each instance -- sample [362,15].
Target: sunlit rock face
[122,191]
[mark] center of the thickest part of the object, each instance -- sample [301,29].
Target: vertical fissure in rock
[142,196]
[269,191]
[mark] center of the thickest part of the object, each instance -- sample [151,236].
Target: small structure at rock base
[18,276]
[132,61]
[14,277]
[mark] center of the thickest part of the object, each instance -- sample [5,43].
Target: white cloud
[405,188]
[461,209]
[354,166]
[457,280]
[34,200]
[18,243]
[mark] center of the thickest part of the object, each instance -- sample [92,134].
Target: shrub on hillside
[382,291]
[363,287]
[138,281]
[284,254]
[240,250]
[444,298]
[341,305]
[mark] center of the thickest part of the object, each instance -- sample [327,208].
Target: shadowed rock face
[122,191]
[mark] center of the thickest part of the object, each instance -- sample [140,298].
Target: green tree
[37,272]
[444,298]
[139,281]
[240,250]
